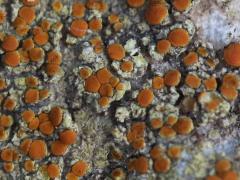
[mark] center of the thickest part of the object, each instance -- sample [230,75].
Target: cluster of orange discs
[6,121]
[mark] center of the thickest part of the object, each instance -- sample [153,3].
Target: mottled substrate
[215,134]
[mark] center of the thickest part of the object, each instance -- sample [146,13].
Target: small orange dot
[24,56]
[8,167]
[23,30]
[38,149]
[223,166]
[167,132]
[19,22]
[29,166]
[80,168]
[156,152]
[213,104]
[118,173]
[52,69]
[228,92]
[58,148]
[71,176]
[41,38]
[78,10]
[30,2]
[104,101]
[202,51]
[163,46]
[3,84]
[46,128]
[43,94]
[117,26]
[57,6]
[2,16]
[95,24]
[45,25]
[179,37]
[138,144]
[157,82]
[171,120]
[85,72]
[193,81]
[78,28]
[120,86]
[3,134]
[232,54]
[28,44]
[92,84]
[25,146]
[162,165]
[190,59]
[116,52]
[31,96]
[172,78]
[10,43]
[27,13]
[68,137]
[93,4]
[53,170]
[181,5]
[230,175]
[127,66]
[184,126]
[43,117]
[28,115]
[33,125]
[104,75]
[12,58]
[145,97]
[113,18]
[9,104]
[174,152]
[114,81]
[156,13]
[210,84]
[156,123]
[54,57]
[36,54]
[135,3]
[6,121]
[141,165]
[231,80]
[32,81]
[56,116]
[106,90]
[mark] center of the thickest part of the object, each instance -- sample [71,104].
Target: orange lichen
[157,82]
[43,117]
[222,166]
[29,166]
[145,97]
[30,2]
[46,128]
[93,4]
[184,126]
[12,58]
[41,38]
[54,57]
[56,115]
[232,54]
[9,104]
[28,44]
[53,170]
[193,81]
[156,123]
[120,86]
[231,80]
[163,46]
[31,96]
[7,154]
[174,152]
[68,137]
[210,84]
[181,5]
[33,124]
[116,52]
[57,6]
[25,146]
[104,75]
[162,165]
[10,43]
[36,54]
[3,84]
[213,104]
[58,148]
[71,176]
[8,167]
[136,132]
[85,72]
[27,13]
[24,56]
[32,81]
[95,24]
[230,175]
[190,59]
[104,101]
[28,115]
[167,132]
[179,37]
[114,81]
[156,152]
[213,178]
[138,144]
[171,120]
[141,165]
[6,121]
[78,9]
[52,69]
[127,66]
[19,22]
[92,84]
[3,134]
[37,150]
[228,92]
[43,94]
[113,18]
[106,90]
[2,16]
[23,30]
[45,25]
[156,13]
[118,26]
[118,173]
[135,3]
[80,168]
[78,27]
[172,78]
